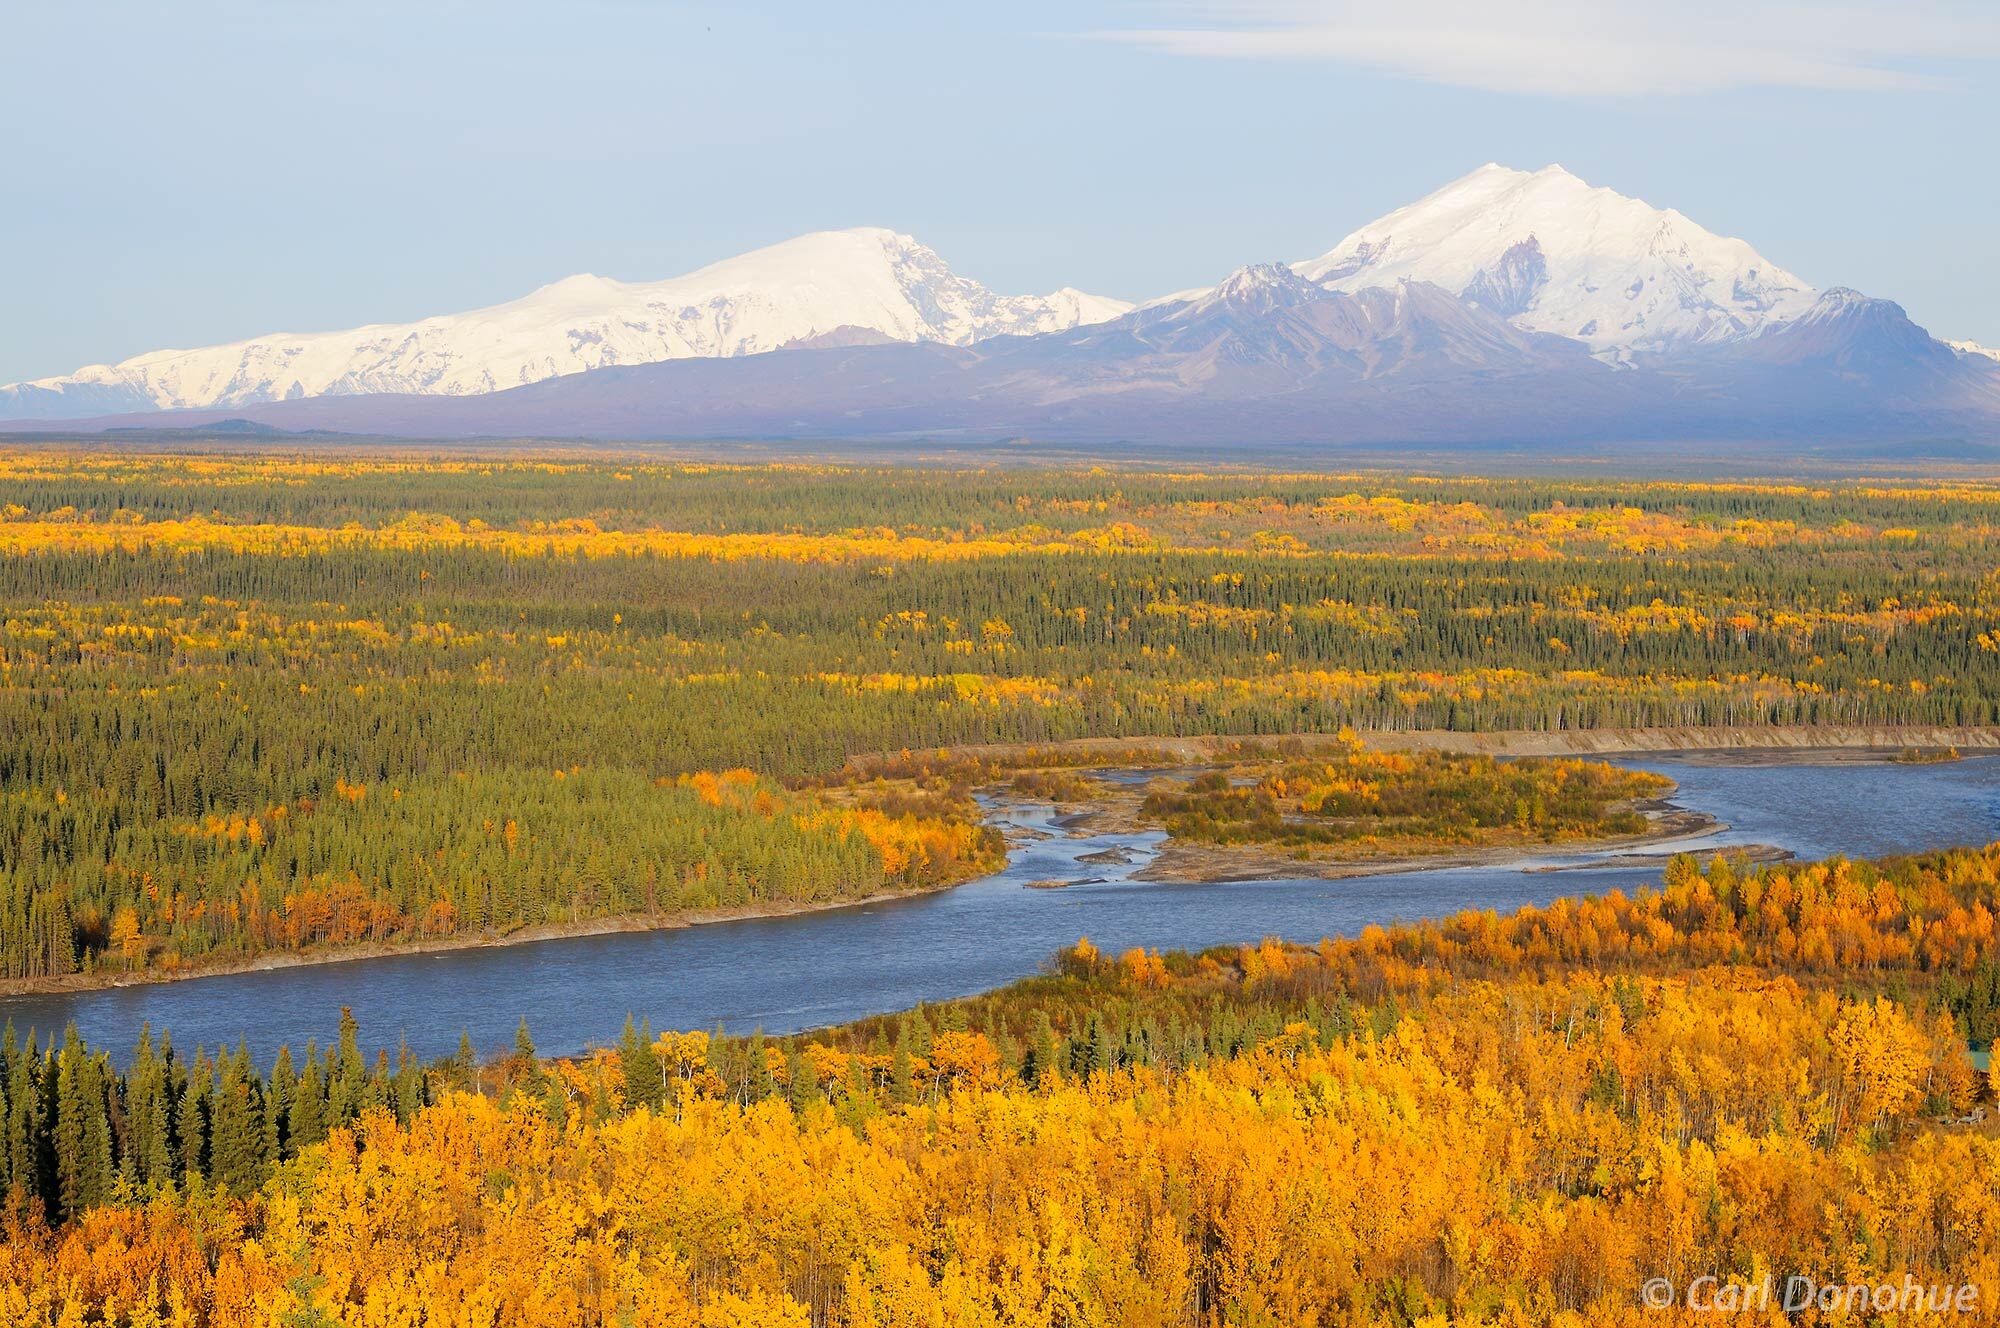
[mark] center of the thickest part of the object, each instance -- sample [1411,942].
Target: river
[811,969]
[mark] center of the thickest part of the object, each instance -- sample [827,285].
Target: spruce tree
[99,1149]
[525,1069]
[555,1102]
[307,1124]
[348,1083]
[640,1065]
[406,1089]
[236,1131]
[17,1126]
[149,1155]
[757,1081]
[42,1134]
[801,1088]
[82,1130]
[465,1065]
[914,1033]
[902,1075]
[282,1088]
[376,1089]
[1039,1066]
[191,1122]
[857,1102]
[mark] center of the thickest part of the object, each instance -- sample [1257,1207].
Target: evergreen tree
[465,1065]
[525,1068]
[800,1087]
[308,1124]
[377,1089]
[43,1134]
[281,1090]
[857,1102]
[347,1085]
[406,1089]
[555,1102]
[915,1033]
[1039,1066]
[19,1142]
[757,1083]
[1092,1053]
[236,1133]
[82,1129]
[191,1121]
[149,1149]
[6,1161]
[902,1075]
[640,1066]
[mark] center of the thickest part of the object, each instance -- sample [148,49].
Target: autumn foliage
[257,704]
[1466,1123]
[1407,801]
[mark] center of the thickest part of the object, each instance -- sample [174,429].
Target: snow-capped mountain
[1266,355]
[1554,254]
[827,288]
[1510,306]
[1974,348]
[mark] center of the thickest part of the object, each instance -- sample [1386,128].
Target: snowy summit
[1503,273]
[865,284]
[1551,253]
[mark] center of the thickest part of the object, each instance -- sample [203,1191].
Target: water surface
[785,974]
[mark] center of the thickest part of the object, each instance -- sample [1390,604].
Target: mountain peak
[1841,297]
[1843,305]
[825,287]
[1265,285]
[580,285]
[1498,170]
[1613,272]
[1255,276]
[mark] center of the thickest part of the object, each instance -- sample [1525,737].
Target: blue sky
[184,174]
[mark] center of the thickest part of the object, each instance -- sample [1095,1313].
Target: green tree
[307,1124]
[191,1121]
[464,1066]
[640,1065]
[801,1087]
[236,1147]
[83,1128]
[149,1143]
[1040,1065]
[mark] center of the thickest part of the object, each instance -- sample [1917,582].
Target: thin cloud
[1606,49]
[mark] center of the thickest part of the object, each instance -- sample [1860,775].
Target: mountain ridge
[813,286]
[1264,357]
[1710,340]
